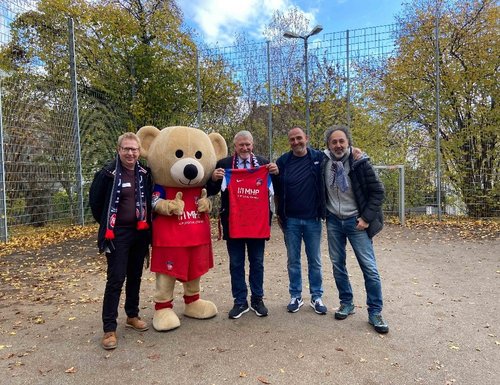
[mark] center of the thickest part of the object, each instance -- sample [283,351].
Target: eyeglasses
[129,149]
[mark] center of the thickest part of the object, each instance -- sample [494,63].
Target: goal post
[401,187]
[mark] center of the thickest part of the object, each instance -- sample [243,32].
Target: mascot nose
[190,171]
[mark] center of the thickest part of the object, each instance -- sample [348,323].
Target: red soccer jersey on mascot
[182,245]
[248,191]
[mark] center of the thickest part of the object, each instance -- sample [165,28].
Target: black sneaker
[238,310]
[259,308]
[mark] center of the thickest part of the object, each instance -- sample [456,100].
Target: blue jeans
[309,230]
[338,231]
[236,251]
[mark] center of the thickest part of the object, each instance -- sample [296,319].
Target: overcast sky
[219,20]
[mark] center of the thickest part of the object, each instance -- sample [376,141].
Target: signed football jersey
[248,191]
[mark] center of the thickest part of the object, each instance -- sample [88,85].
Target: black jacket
[214,187]
[368,190]
[315,158]
[100,196]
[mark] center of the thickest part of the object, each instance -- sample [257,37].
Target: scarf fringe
[110,234]
[142,225]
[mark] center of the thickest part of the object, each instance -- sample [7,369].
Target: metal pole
[402,194]
[76,121]
[348,95]
[3,197]
[198,88]
[291,35]
[307,85]
[438,118]
[269,102]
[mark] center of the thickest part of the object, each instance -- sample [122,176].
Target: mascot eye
[198,155]
[179,153]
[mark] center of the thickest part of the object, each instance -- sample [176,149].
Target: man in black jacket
[354,196]
[243,158]
[120,200]
[300,202]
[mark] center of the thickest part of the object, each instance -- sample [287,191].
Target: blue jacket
[315,159]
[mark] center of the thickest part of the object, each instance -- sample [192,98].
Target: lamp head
[291,35]
[316,30]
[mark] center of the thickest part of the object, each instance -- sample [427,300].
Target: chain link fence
[43,181]
[41,178]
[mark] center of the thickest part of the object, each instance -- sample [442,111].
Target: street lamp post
[292,35]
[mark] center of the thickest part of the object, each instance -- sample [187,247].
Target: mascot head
[181,156]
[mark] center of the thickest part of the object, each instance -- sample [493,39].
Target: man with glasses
[120,201]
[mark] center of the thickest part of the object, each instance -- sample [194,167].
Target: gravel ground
[441,301]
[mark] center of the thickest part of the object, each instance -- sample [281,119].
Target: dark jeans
[126,261]
[236,251]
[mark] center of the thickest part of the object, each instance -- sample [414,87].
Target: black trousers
[125,262]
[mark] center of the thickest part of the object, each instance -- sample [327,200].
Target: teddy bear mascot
[181,161]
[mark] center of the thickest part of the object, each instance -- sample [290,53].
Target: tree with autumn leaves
[135,64]
[138,57]
[469,67]
[135,52]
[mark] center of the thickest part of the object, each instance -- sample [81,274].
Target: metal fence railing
[44,169]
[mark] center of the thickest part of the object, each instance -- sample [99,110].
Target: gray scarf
[338,175]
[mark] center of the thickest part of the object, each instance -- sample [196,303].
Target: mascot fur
[182,159]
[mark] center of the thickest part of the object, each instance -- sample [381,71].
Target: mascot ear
[147,135]
[219,144]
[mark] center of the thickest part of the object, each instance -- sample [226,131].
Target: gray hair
[338,127]
[243,134]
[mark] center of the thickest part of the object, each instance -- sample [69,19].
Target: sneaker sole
[317,312]
[258,314]
[296,310]
[239,315]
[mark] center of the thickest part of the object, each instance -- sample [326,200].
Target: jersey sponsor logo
[188,215]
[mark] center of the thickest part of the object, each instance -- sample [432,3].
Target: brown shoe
[137,324]
[109,341]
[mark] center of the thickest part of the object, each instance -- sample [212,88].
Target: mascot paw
[165,319]
[204,204]
[200,309]
[176,206]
